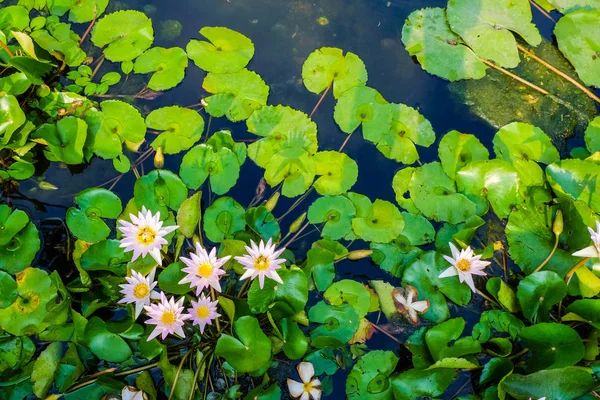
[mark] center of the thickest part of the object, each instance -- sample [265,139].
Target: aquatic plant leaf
[319,262]
[44,369]
[58,37]
[338,322]
[496,369]
[393,257]
[159,190]
[400,184]
[424,273]
[521,141]
[293,293]
[168,66]
[81,11]
[383,223]
[328,66]
[94,204]
[295,343]
[225,52]
[15,84]
[224,139]
[587,310]
[487,26]
[338,173]
[592,136]
[415,383]
[26,315]
[181,127]
[236,95]
[409,128]
[202,162]
[126,35]
[248,353]
[568,6]
[418,230]
[503,293]
[104,344]
[65,140]
[457,150]
[294,167]
[15,18]
[282,127]
[369,377]
[263,223]
[169,278]
[349,292]
[336,212]
[552,345]
[20,251]
[11,223]
[560,383]
[363,106]
[8,293]
[223,218]
[577,34]
[11,115]
[538,292]
[105,255]
[576,180]
[189,215]
[444,340]
[440,51]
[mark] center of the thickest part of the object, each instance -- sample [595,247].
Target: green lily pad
[226,51]
[560,383]
[44,369]
[282,127]
[418,230]
[521,141]
[444,340]
[19,252]
[458,149]
[338,322]
[94,204]
[263,222]
[395,256]
[383,223]
[576,180]
[538,292]
[8,291]
[364,106]
[592,136]
[224,139]
[104,344]
[295,343]
[58,37]
[236,95]
[336,212]
[587,310]
[202,162]
[159,190]
[294,167]
[568,6]
[415,383]
[577,34]
[495,369]
[181,127]
[427,35]
[126,35]
[400,184]
[349,292]
[369,378]
[11,223]
[223,218]
[169,278]
[14,84]
[503,293]
[106,255]
[328,66]
[11,115]
[552,345]
[338,173]
[319,262]
[293,292]
[65,140]
[168,66]
[85,10]
[14,18]
[248,353]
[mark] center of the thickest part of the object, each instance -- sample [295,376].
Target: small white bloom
[465,264]
[132,393]
[261,261]
[592,251]
[307,389]
[203,269]
[203,312]
[406,302]
[167,316]
[138,290]
[144,235]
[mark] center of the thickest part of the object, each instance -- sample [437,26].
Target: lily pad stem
[386,333]
[97,67]
[321,99]
[275,328]
[518,78]
[244,286]
[185,356]
[345,142]
[549,256]
[214,297]
[6,49]
[575,268]
[519,354]
[540,9]
[207,376]
[297,234]
[296,203]
[87,31]
[488,298]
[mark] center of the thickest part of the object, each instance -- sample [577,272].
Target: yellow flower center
[205,270]
[146,235]
[308,386]
[141,290]
[168,318]
[463,265]
[261,263]
[202,312]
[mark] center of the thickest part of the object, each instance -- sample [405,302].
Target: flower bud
[558,225]
[272,202]
[159,158]
[297,223]
[358,254]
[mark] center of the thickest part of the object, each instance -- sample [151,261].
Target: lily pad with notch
[248,353]
[369,378]
[338,173]
[202,162]
[94,204]
[65,140]
[294,167]
[159,190]
[168,66]
[181,127]
[336,212]
[226,50]
[383,223]
[223,218]
[126,35]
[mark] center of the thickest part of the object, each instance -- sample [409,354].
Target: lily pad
[338,173]
[85,10]
[65,140]
[369,377]
[159,190]
[458,149]
[291,295]
[226,51]
[126,35]
[224,217]
[427,35]
[395,256]
[94,204]
[552,345]
[349,292]
[181,127]
[8,291]
[236,95]
[104,344]
[415,383]
[328,66]
[560,383]
[444,340]
[294,167]
[295,343]
[11,223]
[336,212]
[11,115]
[338,323]
[248,353]
[168,66]
[418,230]
[14,17]
[383,223]
[58,37]
[202,162]
[538,292]
[106,255]
[19,252]
[592,136]
[263,223]
[224,139]
[576,180]
[521,141]
[400,184]
[14,84]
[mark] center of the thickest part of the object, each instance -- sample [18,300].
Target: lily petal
[589,251]
[306,371]
[451,271]
[296,388]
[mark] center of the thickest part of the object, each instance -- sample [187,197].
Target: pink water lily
[261,261]
[465,264]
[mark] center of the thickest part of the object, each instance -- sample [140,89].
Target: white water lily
[261,261]
[203,312]
[203,269]
[138,290]
[407,303]
[592,251]
[465,264]
[167,316]
[132,393]
[309,388]
[144,235]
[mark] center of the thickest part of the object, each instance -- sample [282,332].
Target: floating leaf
[94,204]
[295,343]
[188,215]
[414,383]
[520,141]
[8,291]
[369,377]
[457,150]
[383,223]
[338,173]
[349,292]
[592,136]
[440,51]
[576,180]
[159,190]
[224,217]
[292,295]
[328,66]
[44,369]
[502,292]
[224,139]
[168,66]
[263,223]
[562,383]
[104,344]
[226,51]
[552,345]
[20,247]
[400,184]
[444,340]
[127,34]
[395,256]
[587,310]
[15,18]
[568,6]
[202,162]
[65,140]
[11,115]
[338,322]
[294,167]
[336,212]
[538,292]
[236,95]
[169,278]
[495,369]
[106,255]
[181,128]
[14,84]
[11,223]
[58,37]
[248,353]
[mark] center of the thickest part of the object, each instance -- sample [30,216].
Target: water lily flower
[203,269]
[465,264]
[132,393]
[307,389]
[144,234]
[167,316]
[138,290]
[261,261]
[406,302]
[592,251]
[203,312]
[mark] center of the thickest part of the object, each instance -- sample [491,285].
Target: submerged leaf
[181,127]
[127,34]
[226,51]
[168,66]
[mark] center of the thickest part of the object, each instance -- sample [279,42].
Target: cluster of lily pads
[512,237]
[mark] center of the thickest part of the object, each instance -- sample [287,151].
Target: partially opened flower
[407,303]
[261,261]
[203,269]
[465,264]
[132,393]
[167,316]
[592,251]
[138,290]
[203,312]
[309,388]
[144,234]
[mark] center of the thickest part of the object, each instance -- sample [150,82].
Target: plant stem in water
[214,297]
[320,100]
[540,9]
[185,356]
[506,72]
